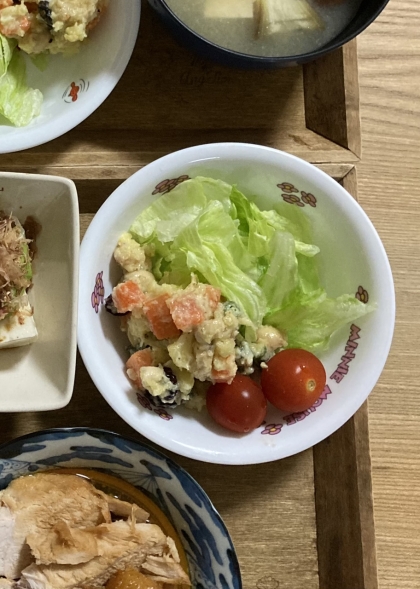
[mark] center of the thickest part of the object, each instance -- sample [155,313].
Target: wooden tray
[169,99]
[305,522]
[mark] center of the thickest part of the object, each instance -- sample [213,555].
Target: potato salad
[38,28]
[214,289]
[181,337]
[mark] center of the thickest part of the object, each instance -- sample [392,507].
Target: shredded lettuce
[264,261]
[310,323]
[18,103]
[7,46]
[40,61]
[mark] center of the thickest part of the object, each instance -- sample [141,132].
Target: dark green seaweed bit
[45,13]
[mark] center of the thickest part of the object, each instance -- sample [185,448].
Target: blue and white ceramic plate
[207,544]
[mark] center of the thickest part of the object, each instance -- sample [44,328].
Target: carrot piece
[127,295]
[192,308]
[213,294]
[135,362]
[222,375]
[159,318]
[186,312]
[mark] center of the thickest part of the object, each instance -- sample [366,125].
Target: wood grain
[270,508]
[331,89]
[343,488]
[169,99]
[389,178]
[338,469]
[116,141]
[344,507]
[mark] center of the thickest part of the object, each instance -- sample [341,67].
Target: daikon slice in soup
[269,28]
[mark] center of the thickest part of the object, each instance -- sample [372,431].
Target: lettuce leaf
[212,248]
[264,261]
[281,275]
[7,46]
[40,61]
[170,213]
[309,324]
[18,103]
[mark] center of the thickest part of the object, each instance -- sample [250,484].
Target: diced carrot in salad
[186,312]
[135,362]
[189,309]
[213,295]
[221,375]
[159,317]
[127,295]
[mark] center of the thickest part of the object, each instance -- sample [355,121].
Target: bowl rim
[214,151]
[273,60]
[40,136]
[141,447]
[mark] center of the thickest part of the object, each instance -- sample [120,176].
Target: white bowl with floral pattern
[352,260]
[74,86]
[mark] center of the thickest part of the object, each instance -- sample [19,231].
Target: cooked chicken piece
[34,504]
[63,545]
[46,498]
[14,552]
[119,545]
[161,569]
[125,509]
[66,545]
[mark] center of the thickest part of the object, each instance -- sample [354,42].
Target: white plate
[93,72]
[352,260]
[40,377]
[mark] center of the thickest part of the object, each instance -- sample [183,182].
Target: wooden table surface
[389,63]
[389,178]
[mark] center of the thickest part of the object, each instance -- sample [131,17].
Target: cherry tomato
[293,380]
[239,406]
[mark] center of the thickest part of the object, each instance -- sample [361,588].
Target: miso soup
[266,27]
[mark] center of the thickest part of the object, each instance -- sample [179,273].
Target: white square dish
[40,376]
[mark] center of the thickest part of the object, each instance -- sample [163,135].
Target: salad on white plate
[73,84]
[38,28]
[351,259]
[223,306]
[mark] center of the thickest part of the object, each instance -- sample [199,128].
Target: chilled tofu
[18,329]
[287,16]
[228,9]
[17,325]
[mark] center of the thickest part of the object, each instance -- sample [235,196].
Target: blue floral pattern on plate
[209,549]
